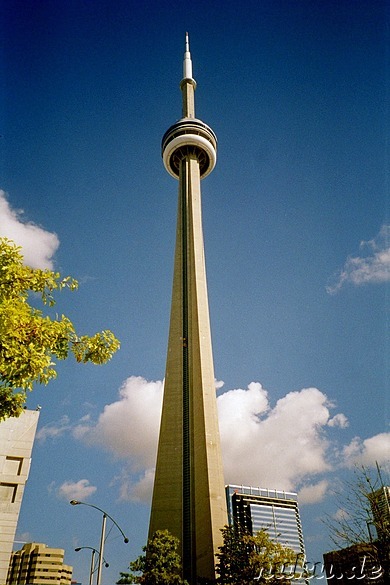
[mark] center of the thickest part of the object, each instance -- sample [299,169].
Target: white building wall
[16,442]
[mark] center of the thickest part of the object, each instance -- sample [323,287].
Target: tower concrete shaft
[188,497]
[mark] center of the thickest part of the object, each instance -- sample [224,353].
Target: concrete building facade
[37,564]
[16,442]
[188,497]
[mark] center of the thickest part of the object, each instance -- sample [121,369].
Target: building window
[13,465]
[8,492]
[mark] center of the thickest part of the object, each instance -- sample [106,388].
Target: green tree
[125,579]
[160,565]
[364,514]
[30,340]
[254,559]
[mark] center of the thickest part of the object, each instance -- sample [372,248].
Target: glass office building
[252,509]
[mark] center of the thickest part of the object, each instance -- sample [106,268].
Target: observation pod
[189,136]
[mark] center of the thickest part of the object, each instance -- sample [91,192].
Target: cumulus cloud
[292,433]
[372,266]
[54,430]
[137,488]
[369,451]
[76,490]
[341,515]
[286,443]
[129,427]
[339,420]
[38,245]
[313,493]
[24,537]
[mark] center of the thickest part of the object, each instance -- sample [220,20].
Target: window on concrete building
[13,465]
[8,492]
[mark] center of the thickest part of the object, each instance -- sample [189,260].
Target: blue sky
[296,225]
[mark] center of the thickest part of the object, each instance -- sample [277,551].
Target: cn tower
[188,497]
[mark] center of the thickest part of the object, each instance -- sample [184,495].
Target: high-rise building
[251,509]
[367,562]
[188,497]
[356,563]
[37,564]
[380,507]
[16,442]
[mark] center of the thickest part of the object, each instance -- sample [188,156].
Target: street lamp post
[102,538]
[92,570]
[92,567]
[103,533]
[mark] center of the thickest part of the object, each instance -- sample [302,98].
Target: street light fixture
[92,570]
[103,533]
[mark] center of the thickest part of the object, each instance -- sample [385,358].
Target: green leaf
[30,340]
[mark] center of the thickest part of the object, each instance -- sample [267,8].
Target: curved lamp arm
[77,502]
[93,550]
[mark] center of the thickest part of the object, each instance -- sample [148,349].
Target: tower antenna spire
[188,83]
[187,63]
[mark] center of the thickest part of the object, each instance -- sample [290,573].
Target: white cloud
[341,515]
[54,430]
[38,245]
[339,420]
[313,493]
[372,266]
[286,443]
[129,427]
[369,451]
[292,433]
[76,490]
[284,446]
[23,538]
[144,486]
[135,489]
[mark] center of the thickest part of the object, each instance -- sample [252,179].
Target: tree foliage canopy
[364,514]
[30,340]
[253,559]
[242,558]
[160,565]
